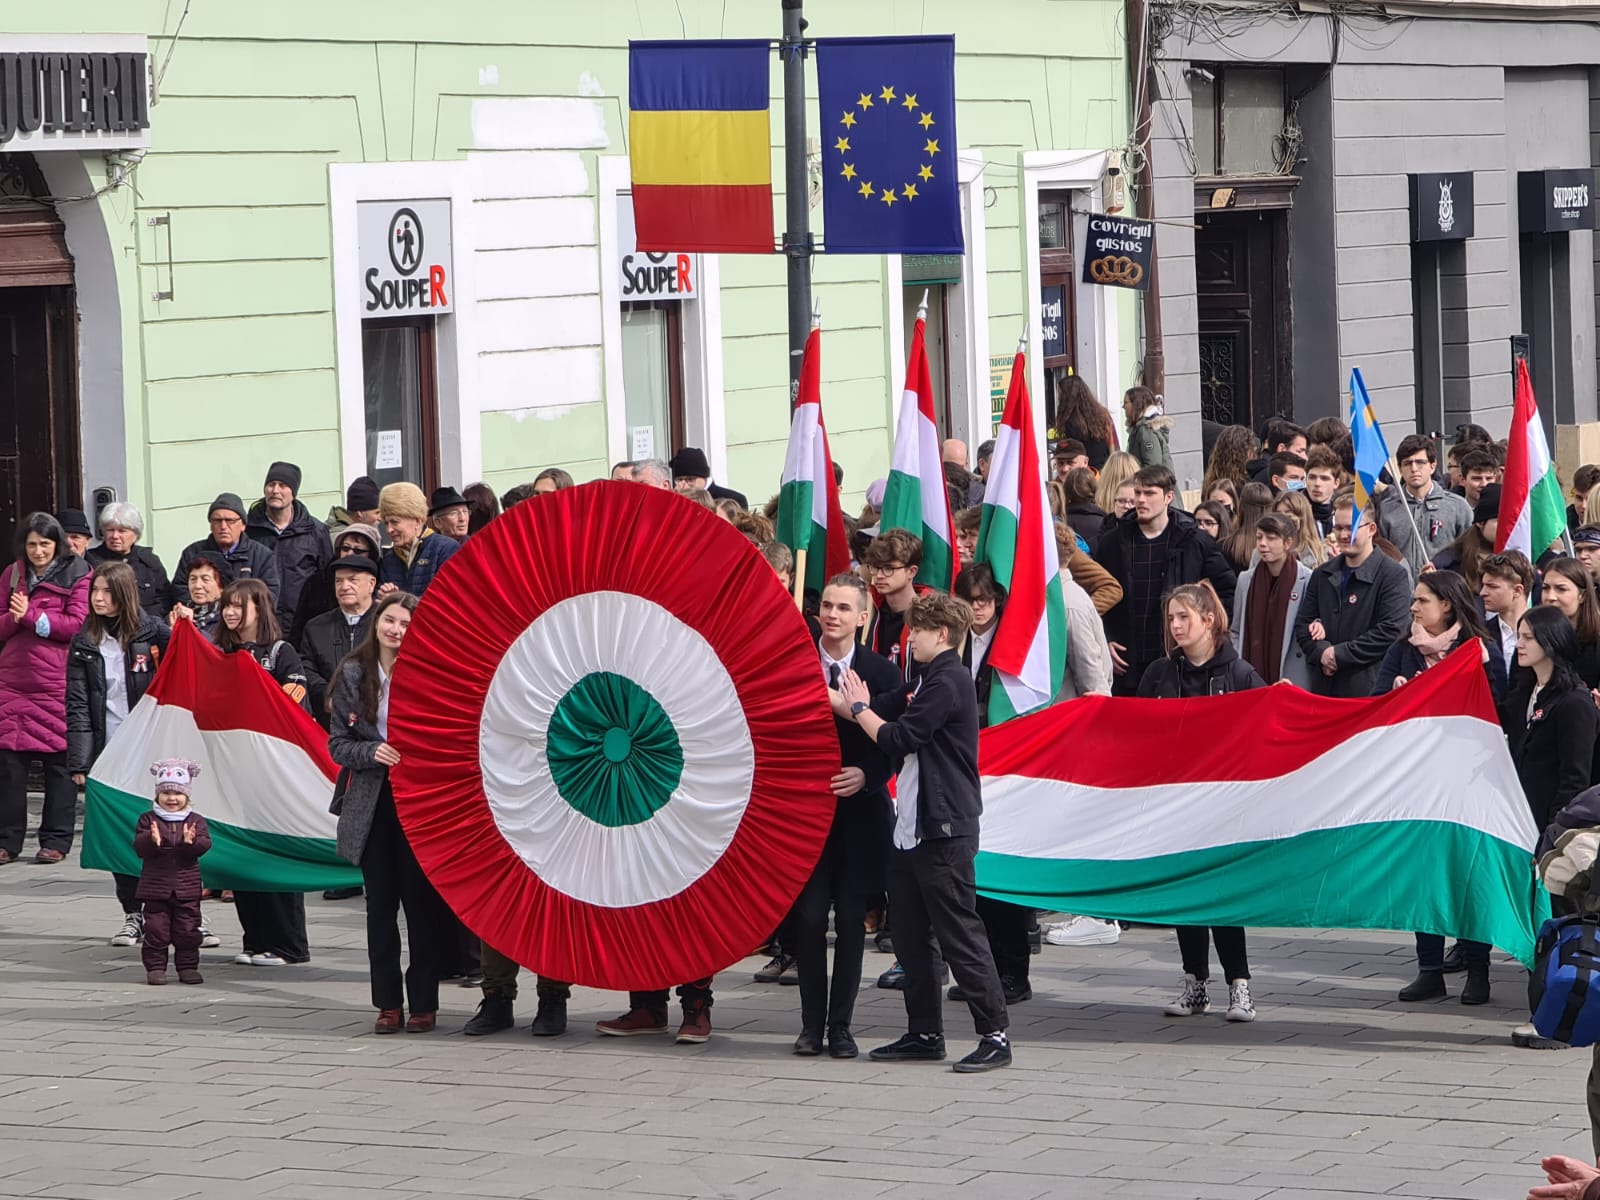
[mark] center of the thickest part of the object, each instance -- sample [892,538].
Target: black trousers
[1430,951]
[1007,926]
[274,923]
[808,941]
[60,813]
[1194,943]
[933,891]
[127,893]
[394,881]
[175,923]
[692,994]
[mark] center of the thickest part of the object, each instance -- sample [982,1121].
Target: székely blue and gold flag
[1371,451]
[889,171]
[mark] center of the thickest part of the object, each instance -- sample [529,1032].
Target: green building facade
[396,240]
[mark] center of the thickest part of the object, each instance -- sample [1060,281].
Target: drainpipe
[1155,368]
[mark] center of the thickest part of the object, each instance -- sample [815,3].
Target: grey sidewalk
[269,1082]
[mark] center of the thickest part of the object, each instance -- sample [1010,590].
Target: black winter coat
[1361,621]
[1554,748]
[1088,521]
[936,718]
[857,849]
[1175,676]
[1405,659]
[155,589]
[86,688]
[302,549]
[1191,557]
[327,639]
[281,661]
[248,558]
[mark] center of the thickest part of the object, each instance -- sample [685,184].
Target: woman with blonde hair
[1119,469]
[1309,548]
[1201,661]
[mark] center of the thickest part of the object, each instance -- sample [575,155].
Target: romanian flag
[700,145]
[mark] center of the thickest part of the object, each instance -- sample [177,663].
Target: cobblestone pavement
[270,1083]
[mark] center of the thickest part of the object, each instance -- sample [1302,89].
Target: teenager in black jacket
[110,664]
[930,729]
[1201,661]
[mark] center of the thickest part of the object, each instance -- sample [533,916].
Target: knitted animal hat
[174,774]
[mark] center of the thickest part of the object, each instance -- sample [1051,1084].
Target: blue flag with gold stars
[889,175]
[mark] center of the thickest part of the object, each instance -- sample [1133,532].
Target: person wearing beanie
[297,540]
[416,552]
[1586,547]
[1465,555]
[691,471]
[246,557]
[317,597]
[170,839]
[360,506]
[75,525]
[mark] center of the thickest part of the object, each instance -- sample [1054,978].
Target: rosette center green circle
[614,753]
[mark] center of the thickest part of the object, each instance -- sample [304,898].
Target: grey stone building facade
[1377,191]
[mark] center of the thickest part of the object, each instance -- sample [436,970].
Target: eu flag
[889,174]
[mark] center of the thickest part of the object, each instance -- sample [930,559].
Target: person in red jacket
[170,838]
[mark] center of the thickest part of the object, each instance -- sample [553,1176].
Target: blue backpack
[1564,988]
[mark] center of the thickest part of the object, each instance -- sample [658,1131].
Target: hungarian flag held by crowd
[809,517]
[266,784]
[1017,539]
[700,145]
[1271,807]
[1532,511]
[915,497]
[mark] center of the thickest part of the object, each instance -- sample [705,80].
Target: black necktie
[833,676]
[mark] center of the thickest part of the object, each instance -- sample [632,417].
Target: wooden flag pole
[800,578]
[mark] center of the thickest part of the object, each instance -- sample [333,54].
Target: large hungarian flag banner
[1533,513]
[1271,807]
[266,784]
[809,516]
[915,497]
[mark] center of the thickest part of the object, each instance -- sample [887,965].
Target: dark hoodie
[1176,676]
[301,548]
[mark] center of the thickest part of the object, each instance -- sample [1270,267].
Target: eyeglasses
[1416,460]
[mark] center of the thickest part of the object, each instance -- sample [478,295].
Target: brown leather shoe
[49,857]
[696,1025]
[389,1020]
[155,978]
[422,1022]
[633,1023]
[190,976]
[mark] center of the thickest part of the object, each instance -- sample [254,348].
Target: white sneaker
[267,960]
[1085,931]
[1240,1006]
[245,960]
[1192,1001]
[132,931]
[208,940]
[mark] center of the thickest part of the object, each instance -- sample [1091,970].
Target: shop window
[1057,313]
[402,401]
[652,378]
[1238,120]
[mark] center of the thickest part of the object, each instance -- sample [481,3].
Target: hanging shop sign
[1555,201]
[1118,251]
[650,274]
[1052,321]
[405,257]
[66,92]
[1441,207]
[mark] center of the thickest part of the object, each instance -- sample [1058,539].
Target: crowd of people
[1271,574]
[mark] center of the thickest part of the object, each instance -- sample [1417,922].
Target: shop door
[1241,276]
[39,469]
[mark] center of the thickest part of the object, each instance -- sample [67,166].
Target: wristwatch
[859,707]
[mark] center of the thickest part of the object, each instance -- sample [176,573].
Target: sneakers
[1085,931]
[774,970]
[550,1020]
[912,1047]
[1428,985]
[633,1023]
[994,1050]
[1240,1006]
[1527,1038]
[791,974]
[208,940]
[268,959]
[494,1014]
[696,1027]
[894,978]
[841,1043]
[132,931]
[1192,1001]
[245,959]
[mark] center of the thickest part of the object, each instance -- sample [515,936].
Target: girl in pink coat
[45,594]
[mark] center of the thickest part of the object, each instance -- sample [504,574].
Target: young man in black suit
[930,728]
[855,859]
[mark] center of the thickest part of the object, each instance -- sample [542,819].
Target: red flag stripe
[1025,595]
[1515,486]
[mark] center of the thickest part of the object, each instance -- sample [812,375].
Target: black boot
[1454,964]
[1428,985]
[494,1014]
[1476,989]
[551,1018]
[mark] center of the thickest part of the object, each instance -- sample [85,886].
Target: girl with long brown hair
[1079,415]
[1235,446]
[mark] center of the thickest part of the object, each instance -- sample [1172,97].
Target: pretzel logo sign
[1116,271]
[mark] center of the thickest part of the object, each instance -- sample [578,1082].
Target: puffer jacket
[86,687]
[302,548]
[1148,440]
[432,551]
[33,654]
[1222,673]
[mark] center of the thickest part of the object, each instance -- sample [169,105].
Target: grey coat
[1440,518]
[353,743]
[1293,667]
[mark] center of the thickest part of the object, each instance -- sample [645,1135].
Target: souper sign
[405,257]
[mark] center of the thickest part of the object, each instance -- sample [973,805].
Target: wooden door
[1241,277]
[28,479]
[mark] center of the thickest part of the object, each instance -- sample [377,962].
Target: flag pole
[797,242]
[922,309]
